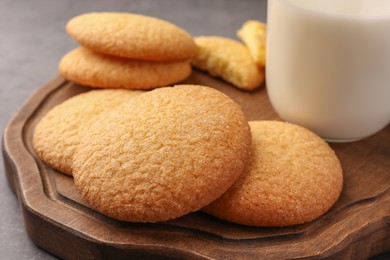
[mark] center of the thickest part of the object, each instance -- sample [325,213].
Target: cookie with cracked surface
[293,177]
[163,154]
[228,59]
[132,36]
[57,135]
[93,69]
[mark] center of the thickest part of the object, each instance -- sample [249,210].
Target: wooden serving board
[59,221]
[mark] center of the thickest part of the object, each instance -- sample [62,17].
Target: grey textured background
[32,41]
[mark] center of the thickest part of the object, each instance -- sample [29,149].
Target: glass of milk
[328,65]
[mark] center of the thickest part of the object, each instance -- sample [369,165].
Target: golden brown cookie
[93,69]
[253,33]
[57,135]
[228,59]
[132,36]
[163,154]
[293,178]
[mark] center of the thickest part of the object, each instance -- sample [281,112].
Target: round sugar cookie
[93,69]
[57,134]
[163,154]
[293,177]
[132,35]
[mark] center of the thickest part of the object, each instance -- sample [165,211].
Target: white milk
[328,65]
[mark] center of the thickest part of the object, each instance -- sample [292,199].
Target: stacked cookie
[292,178]
[58,134]
[157,156]
[123,50]
[150,156]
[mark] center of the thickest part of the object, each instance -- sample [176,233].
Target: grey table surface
[32,41]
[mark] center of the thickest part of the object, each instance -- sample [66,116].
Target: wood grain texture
[59,221]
